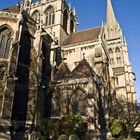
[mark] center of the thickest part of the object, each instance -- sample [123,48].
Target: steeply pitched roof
[83,69]
[82,36]
[13,9]
[63,72]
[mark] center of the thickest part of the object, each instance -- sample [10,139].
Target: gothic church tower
[118,51]
[56,17]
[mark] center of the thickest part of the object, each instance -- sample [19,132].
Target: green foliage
[15,125]
[48,128]
[67,125]
[118,129]
[78,127]
[25,136]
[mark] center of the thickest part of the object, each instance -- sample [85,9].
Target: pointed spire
[74,11]
[110,19]
[102,23]
[69,5]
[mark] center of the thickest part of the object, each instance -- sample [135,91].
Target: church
[49,69]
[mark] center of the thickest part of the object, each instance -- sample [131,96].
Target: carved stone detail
[6,15]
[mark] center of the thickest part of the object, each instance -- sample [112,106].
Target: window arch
[71,26]
[117,81]
[110,51]
[65,20]
[119,60]
[36,16]
[5,41]
[50,16]
[55,103]
[117,50]
[112,60]
[78,104]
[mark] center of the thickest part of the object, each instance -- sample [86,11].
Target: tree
[127,112]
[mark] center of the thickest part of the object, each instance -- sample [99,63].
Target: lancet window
[117,50]
[78,104]
[65,20]
[36,16]
[119,61]
[5,42]
[110,51]
[71,26]
[50,16]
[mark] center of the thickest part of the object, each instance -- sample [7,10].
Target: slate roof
[82,36]
[13,9]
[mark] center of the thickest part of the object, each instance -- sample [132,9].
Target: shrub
[67,125]
[118,129]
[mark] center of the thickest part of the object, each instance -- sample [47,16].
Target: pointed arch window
[50,16]
[112,60]
[71,26]
[56,106]
[5,42]
[36,16]
[110,51]
[117,50]
[65,20]
[119,60]
[117,81]
[78,104]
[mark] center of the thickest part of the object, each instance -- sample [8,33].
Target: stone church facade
[48,69]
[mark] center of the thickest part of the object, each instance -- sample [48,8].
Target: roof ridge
[82,36]
[12,9]
[87,29]
[63,42]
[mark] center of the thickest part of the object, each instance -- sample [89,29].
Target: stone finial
[83,55]
[74,11]
[69,5]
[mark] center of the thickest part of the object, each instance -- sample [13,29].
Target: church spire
[110,19]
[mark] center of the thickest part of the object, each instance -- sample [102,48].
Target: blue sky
[91,13]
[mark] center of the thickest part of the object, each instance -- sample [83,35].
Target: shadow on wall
[20,102]
[74,104]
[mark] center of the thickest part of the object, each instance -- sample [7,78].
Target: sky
[91,13]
